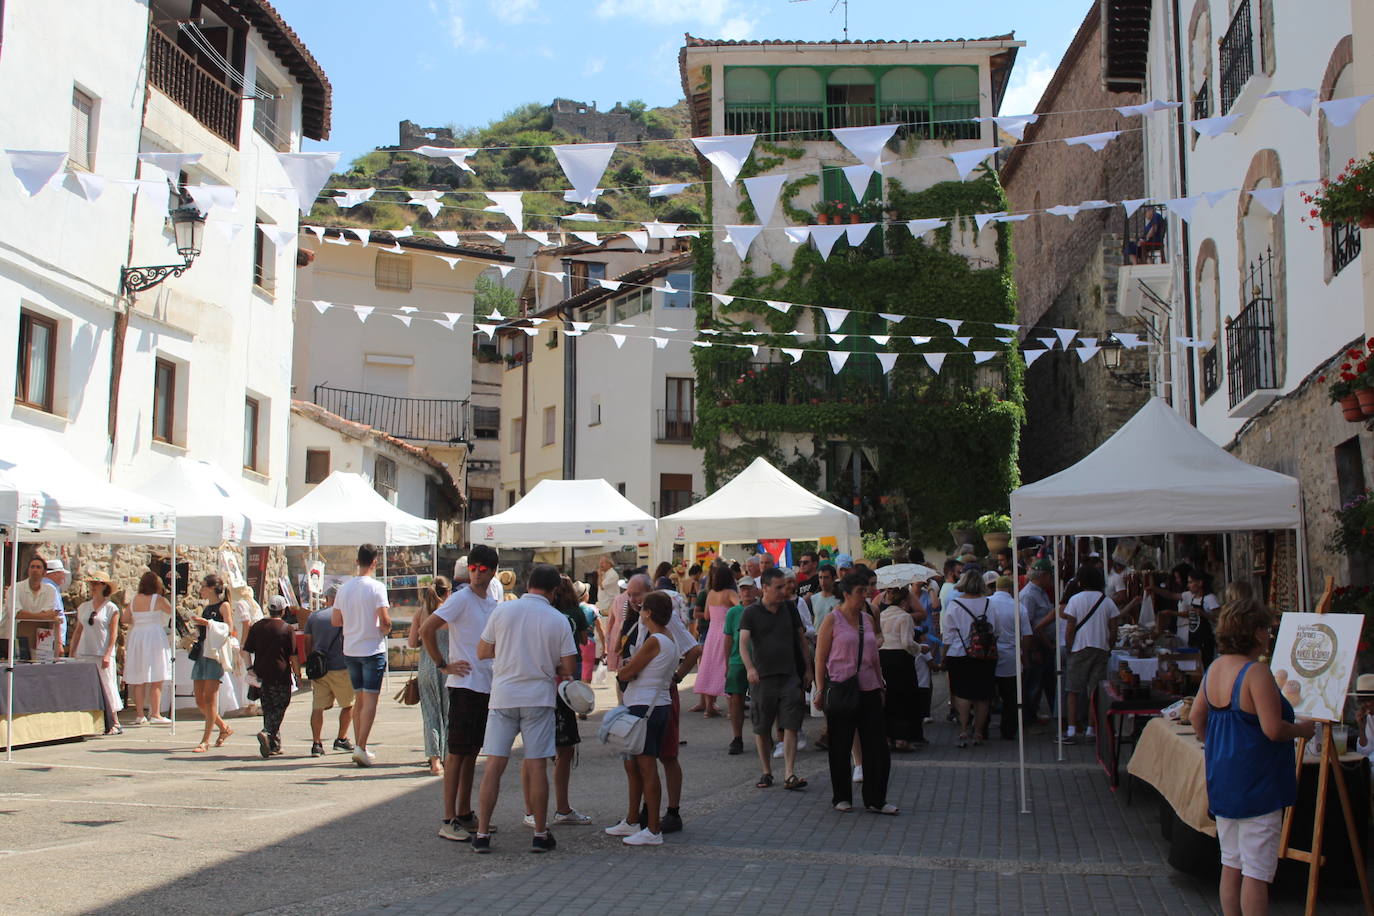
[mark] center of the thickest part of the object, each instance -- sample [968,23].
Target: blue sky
[469,61]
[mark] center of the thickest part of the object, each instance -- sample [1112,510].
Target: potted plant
[995,529]
[1364,377]
[1342,392]
[963,532]
[828,211]
[1346,198]
[1354,531]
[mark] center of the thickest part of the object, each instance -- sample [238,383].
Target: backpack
[981,643]
[317,662]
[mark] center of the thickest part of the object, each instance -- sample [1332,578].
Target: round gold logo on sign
[1314,649]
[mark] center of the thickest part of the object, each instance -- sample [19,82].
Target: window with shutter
[393,272]
[81,149]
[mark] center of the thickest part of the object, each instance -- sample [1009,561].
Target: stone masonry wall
[1297,435]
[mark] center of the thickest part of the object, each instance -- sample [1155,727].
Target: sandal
[794,783]
[224,736]
[890,810]
[200,748]
[844,807]
[963,741]
[765,781]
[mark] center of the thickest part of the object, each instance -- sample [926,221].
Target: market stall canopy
[51,497]
[1157,475]
[212,508]
[346,511]
[760,502]
[568,513]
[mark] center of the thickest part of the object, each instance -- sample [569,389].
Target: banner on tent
[780,549]
[706,551]
[828,543]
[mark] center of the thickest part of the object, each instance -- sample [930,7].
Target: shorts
[1251,844]
[365,672]
[667,750]
[565,732]
[1087,668]
[655,731]
[972,679]
[206,669]
[736,680]
[334,686]
[533,723]
[777,696]
[467,720]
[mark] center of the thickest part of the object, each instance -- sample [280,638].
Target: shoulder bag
[409,695]
[842,697]
[317,662]
[623,732]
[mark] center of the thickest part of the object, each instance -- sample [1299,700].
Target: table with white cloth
[54,701]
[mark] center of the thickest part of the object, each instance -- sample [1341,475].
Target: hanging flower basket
[1353,388]
[1345,198]
[1351,409]
[1365,398]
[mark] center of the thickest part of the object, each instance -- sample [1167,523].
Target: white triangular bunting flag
[866,143]
[1183,206]
[880,339]
[722,298]
[825,238]
[510,203]
[968,160]
[619,340]
[837,360]
[351,197]
[887,361]
[1031,356]
[794,354]
[1133,205]
[1014,124]
[856,233]
[954,324]
[495,315]
[321,305]
[776,306]
[935,360]
[403,319]
[701,343]
[763,191]
[888,316]
[447,236]
[857,176]
[982,219]
[1341,112]
[1301,99]
[504,268]
[362,311]
[584,164]
[339,239]
[35,169]
[837,338]
[487,329]
[742,237]
[1087,352]
[1068,210]
[1129,341]
[92,186]
[1215,197]
[611,285]
[1097,142]
[920,227]
[456,155]
[726,153]
[172,164]
[500,237]
[982,356]
[580,326]
[541,237]
[1128,111]
[590,238]
[1213,127]
[362,234]
[920,340]
[397,234]
[640,238]
[1066,336]
[555,274]
[667,190]
[427,199]
[834,317]
[1270,199]
[797,235]
[317,231]
[307,173]
[659,342]
[1009,328]
[963,341]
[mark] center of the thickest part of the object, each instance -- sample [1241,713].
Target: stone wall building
[618,125]
[1066,269]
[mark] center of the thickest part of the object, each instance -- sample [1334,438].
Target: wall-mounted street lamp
[188,226]
[1112,349]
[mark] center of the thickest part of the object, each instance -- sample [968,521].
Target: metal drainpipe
[524,405]
[1186,245]
[569,385]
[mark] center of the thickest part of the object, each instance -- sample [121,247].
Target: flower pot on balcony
[963,536]
[1367,219]
[1365,396]
[823,219]
[996,540]
[854,217]
[1351,410]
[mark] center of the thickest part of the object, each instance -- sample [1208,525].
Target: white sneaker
[572,818]
[777,751]
[643,838]
[623,829]
[141,720]
[363,758]
[529,821]
[1090,732]
[801,741]
[858,774]
[160,720]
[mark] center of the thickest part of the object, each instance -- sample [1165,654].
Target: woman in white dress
[97,633]
[147,653]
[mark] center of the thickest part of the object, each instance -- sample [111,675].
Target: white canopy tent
[567,513]
[45,495]
[346,510]
[211,508]
[1156,475]
[760,502]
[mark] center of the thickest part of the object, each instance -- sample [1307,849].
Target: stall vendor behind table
[37,603]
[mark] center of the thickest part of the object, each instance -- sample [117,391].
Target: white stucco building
[200,364]
[1252,307]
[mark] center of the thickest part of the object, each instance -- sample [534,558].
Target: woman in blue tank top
[1248,731]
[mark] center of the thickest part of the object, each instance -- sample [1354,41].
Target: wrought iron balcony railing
[421,419]
[1237,56]
[676,424]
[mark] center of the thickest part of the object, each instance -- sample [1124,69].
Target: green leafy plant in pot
[995,527]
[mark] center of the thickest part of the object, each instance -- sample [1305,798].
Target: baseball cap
[747,580]
[278,603]
[843,560]
[1043,565]
[1004,582]
[990,577]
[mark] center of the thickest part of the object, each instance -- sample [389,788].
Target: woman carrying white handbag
[647,677]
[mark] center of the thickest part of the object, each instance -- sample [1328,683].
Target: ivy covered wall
[935,448]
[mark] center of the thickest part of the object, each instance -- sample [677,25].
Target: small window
[510,498]
[37,361]
[904,84]
[517,433]
[251,411]
[384,477]
[621,488]
[682,282]
[582,273]
[746,84]
[486,422]
[550,425]
[956,84]
[596,314]
[267,113]
[594,413]
[393,272]
[316,464]
[800,85]
[264,261]
[81,149]
[636,303]
[164,399]
[481,502]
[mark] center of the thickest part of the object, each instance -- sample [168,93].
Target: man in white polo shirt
[465,614]
[530,644]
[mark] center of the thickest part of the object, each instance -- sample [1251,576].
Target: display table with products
[54,702]
[1169,757]
[1109,711]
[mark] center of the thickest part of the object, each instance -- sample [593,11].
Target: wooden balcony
[204,96]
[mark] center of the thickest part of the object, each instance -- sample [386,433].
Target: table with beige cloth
[1169,757]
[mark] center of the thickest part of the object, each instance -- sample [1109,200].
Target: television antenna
[836,5]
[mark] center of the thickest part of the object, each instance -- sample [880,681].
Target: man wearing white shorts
[531,645]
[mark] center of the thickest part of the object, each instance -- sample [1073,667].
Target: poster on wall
[706,552]
[314,581]
[284,584]
[408,570]
[1314,658]
[230,568]
[829,544]
[257,573]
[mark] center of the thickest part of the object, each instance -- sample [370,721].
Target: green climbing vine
[936,447]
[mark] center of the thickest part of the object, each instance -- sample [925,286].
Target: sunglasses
[479,568]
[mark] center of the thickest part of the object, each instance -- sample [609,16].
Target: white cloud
[1028,83]
[515,11]
[450,15]
[594,66]
[736,28]
[715,14]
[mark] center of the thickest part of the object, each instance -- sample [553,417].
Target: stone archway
[1260,233]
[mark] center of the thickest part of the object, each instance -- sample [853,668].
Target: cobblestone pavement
[231,833]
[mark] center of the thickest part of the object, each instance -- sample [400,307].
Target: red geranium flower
[1345,365]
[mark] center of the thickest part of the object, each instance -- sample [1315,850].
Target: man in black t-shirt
[806,574]
[777,660]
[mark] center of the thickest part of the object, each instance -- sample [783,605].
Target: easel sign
[1313,660]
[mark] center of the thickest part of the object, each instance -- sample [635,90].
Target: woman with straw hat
[97,634]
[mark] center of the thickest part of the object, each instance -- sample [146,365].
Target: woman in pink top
[714,659]
[846,645]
